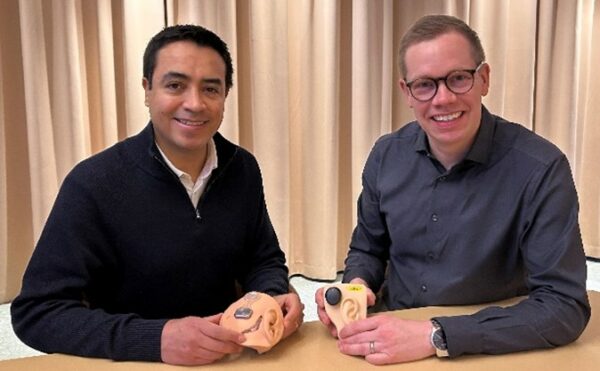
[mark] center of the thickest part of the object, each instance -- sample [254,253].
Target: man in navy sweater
[149,239]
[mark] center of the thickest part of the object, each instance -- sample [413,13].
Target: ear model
[259,317]
[345,303]
[273,328]
[350,310]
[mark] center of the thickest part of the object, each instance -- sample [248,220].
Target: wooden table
[312,348]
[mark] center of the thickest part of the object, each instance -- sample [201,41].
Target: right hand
[197,341]
[293,312]
[319,299]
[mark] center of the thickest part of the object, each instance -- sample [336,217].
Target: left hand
[322,313]
[394,339]
[293,312]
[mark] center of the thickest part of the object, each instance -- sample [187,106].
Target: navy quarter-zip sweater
[124,250]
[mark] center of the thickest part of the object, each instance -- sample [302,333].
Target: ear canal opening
[350,310]
[271,322]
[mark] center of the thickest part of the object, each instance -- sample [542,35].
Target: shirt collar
[482,145]
[210,164]
[212,160]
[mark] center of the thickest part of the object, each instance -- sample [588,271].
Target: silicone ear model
[258,317]
[345,302]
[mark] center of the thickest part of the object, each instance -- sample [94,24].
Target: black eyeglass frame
[437,82]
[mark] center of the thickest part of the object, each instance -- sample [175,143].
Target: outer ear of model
[344,303]
[258,317]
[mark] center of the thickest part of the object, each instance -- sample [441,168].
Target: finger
[371,298]
[288,329]
[293,309]
[292,323]
[214,331]
[215,348]
[294,314]
[378,358]
[354,349]
[359,326]
[204,355]
[323,317]
[319,298]
[290,326]
[359,338]
[290,303]
[216,318]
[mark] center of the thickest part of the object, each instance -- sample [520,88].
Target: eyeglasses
[458,82]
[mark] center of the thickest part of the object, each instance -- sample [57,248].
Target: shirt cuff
[462,335]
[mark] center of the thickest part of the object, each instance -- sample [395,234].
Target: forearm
[65,326]
[557,309]
[68,279]
[543,320]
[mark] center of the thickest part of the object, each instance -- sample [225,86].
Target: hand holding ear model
[258,317]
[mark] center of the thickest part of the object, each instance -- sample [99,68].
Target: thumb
[216,318]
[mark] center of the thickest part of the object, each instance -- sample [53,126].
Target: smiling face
[450,120]
[186,98]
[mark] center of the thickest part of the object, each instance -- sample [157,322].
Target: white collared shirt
[195,190]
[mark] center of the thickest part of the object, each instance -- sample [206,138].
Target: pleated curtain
[315,85]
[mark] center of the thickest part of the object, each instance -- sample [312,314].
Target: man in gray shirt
[463,207]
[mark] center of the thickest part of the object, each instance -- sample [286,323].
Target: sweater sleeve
[266,270]
[557,309]
[52,313]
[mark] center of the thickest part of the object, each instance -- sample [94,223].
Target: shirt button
[434,217]
[430,256]
[423,288]
[442,178]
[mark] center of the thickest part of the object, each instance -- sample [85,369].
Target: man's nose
[443,94]
[194,100]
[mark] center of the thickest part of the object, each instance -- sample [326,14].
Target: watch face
[438,341]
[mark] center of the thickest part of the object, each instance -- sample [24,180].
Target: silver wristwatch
[438,339]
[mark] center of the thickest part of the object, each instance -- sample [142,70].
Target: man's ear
[484,72]
[146,86]
[406,92]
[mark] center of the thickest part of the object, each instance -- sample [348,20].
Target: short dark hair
[431,26]
[196,34]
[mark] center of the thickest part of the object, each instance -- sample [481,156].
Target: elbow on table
[570,325]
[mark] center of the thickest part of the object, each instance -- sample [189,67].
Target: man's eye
[423,84]
[211,90]
[174,86]
[458,77]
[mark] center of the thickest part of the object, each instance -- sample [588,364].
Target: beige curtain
[71,86]
[315,86]
[567,98]
[588,150]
